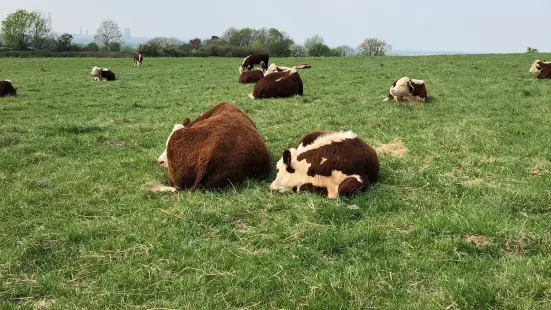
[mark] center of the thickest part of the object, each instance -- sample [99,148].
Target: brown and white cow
[275,68]
[101,74]
[536,66]
[138,59]
[278,85]
[327,163]
[221,147]
[7,89]
[248,77]
[407,89]
[257,60]
[542,69]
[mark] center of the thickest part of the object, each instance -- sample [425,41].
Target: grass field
[461,221]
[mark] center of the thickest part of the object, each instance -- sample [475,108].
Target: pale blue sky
[482,26]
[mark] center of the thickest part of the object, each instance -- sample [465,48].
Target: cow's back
[279,85]
[7,89]
[220,149]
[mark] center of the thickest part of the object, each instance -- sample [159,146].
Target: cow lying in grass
[221,147]
[101,74]
[542,69]
[407,89]
[537,65]
[7,89]
[327,163]
[278,85]
[249,77]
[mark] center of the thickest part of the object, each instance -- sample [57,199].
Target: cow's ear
[287,157]
[186,122]
[410,86]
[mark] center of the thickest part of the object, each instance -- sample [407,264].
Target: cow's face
[403,87]
[163,160]
[536,67]
[290,172]
[95,71]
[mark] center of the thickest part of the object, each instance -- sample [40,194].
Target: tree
[531,50]
[258,45]
[40,30]
[374,47]
[16,29]
[310,42]
[63,42]
[195,43]
[279,43]
[108,33]
[347,50]
[298,50]
[319,49]
[92,47]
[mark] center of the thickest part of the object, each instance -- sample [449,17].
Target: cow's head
[536,67]
[404,87]
[290,172]
[95,71]
[163,160]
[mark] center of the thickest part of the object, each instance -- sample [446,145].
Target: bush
[32,54]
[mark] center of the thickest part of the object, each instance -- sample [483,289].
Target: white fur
[8,81]
[274,68]
[401,88]
[163,160]
[323,159]
[285,181]
[418,82]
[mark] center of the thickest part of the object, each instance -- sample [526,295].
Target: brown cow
[7,89]
[407,89]
[138,59]
[278,85]
[258,60]
[219,148]
[327,163]
[101,74]
[248,77]
[544,70]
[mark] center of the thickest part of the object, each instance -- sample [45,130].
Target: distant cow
[7,89]
[278,85]
[545,71]
[536,66]
[327,163]
[138,59]
[252,76]
[100,74]
[275,68]
[407,89]
[219,148]
[257,60]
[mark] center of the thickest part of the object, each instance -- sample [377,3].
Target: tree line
[32,31]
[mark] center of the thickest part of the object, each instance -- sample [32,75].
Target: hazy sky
[485,26]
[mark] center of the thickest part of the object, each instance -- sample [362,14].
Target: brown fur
[416,90]
[7,89]
[545,70]
[249,77]
[219,148]
[138,59]
[258,59]
[279,85]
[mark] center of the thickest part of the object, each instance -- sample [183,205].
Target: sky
[472,26]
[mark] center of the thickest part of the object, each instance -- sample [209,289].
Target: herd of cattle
[223,147]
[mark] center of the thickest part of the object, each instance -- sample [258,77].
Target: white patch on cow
[8,81]
[279,79]
[285,181]
[274,68]
[323,159]
[330,138]
[417,82]
[251,96]
[402,87]
[163,160]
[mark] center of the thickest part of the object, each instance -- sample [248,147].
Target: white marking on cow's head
[403,87]
[95,71]
[290,172]
[163,160]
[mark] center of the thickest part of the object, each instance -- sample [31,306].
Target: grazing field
[461,218]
